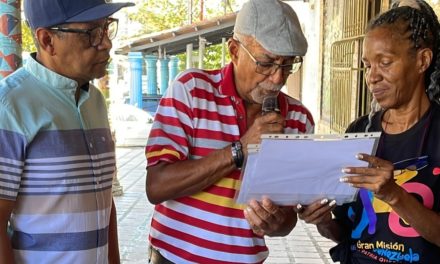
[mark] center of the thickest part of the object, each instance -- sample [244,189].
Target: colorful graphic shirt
[200,113]
[378,234]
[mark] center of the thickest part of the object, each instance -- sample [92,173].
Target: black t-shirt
[386,238]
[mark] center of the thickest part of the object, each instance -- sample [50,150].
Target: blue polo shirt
[57,163]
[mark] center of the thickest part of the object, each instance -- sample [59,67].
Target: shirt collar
[51,78]
[227,86]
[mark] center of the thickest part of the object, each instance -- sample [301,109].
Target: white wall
[309,17]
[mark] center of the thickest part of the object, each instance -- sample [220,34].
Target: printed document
[292,169]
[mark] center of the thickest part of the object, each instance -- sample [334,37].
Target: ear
[233,50]
[45,39]
[424,59]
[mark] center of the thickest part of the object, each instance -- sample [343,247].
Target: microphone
[270,104]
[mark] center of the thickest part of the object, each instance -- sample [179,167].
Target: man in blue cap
[57,157]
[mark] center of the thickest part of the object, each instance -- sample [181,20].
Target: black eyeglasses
[96,34]
[269,68]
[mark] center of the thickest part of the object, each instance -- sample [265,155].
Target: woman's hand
[378,177]
[316,213]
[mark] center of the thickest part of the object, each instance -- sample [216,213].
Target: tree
[155,16]
[28,42]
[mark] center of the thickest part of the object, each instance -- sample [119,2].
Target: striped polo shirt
[57,161]
[200,113]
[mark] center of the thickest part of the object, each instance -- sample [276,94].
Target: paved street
[303,245]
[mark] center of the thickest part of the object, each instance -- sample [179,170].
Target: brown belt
[154,257]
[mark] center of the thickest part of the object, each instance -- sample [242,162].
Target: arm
[332,230]
[6,208]
[425,221]
[380,180]
[167,181]
[113,245]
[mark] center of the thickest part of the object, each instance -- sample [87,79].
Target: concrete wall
[309,17]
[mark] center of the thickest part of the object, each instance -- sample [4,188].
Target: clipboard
[291,168]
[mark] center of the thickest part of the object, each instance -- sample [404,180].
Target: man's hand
[270,123]
[266,218]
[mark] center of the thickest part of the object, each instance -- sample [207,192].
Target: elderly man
[57,156]
[199,141]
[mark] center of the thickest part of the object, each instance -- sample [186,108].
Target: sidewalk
[303,245]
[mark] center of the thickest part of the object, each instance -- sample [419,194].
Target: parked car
[131,125]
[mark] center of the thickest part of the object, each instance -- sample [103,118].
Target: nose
[373,75]
[106,43]
[277,77]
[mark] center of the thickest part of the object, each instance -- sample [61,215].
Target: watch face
[237,153]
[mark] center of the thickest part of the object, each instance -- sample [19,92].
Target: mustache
[270,86]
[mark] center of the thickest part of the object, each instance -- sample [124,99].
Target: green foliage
[155,16]
[28,43]
[212,58]
[213,54]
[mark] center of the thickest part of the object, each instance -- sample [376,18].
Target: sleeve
[170,135]
[310,124]
[299,120]
[12,154]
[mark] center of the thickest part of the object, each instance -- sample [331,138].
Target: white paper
[304,169]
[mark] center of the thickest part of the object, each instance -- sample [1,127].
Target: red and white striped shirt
[200,113]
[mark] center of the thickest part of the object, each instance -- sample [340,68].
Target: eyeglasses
[96,34]
[269,68]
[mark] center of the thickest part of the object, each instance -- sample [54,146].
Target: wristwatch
[237,153]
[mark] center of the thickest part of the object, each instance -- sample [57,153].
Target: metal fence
[349,96]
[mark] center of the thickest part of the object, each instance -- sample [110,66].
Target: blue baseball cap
[47,13]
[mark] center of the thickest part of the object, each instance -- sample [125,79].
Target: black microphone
[270,104]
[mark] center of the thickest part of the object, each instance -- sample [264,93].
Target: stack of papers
[292,169]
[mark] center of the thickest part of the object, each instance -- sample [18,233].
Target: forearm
[6,254]
[183,178]
[288,224]
[113,245]
[331,230]
[425,221]
[5,248]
